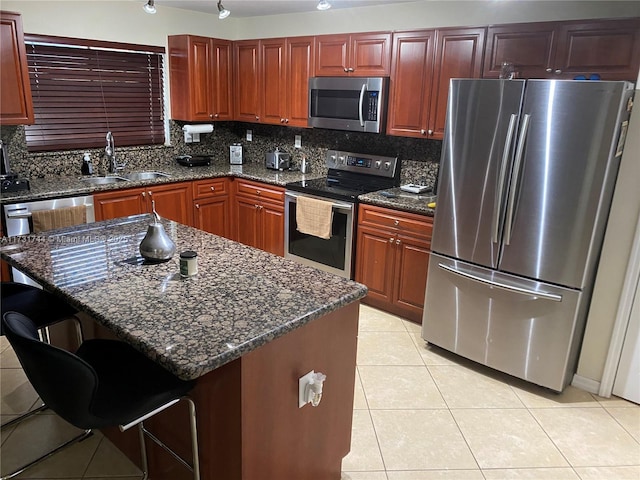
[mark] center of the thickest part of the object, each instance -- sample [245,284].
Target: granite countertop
[406,201]
[67,186]
[56,186]
[240,299]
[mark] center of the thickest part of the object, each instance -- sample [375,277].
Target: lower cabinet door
[272,226]
[120,203]
[246,219]
[374,265]
[212,215]
[173,201]
[412,263]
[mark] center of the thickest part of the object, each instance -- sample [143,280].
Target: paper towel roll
[200,128]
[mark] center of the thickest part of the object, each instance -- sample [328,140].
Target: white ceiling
[258,8]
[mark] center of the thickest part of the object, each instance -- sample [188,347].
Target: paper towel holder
[192,132]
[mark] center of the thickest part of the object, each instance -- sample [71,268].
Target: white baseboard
[586,384]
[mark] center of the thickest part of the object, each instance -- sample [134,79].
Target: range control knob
[387,165]
[378,163]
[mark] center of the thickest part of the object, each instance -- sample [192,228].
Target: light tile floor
[420,413]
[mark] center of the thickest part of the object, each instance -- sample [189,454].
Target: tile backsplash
[419,157]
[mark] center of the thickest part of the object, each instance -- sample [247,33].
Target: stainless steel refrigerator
[526,178]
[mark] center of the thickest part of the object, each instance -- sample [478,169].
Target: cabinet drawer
[210,188]
[260,190]
[395,220]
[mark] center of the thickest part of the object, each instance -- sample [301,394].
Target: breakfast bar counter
[248,325]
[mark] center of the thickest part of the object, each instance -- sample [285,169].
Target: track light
[149,7]
[222,12]
[323,5]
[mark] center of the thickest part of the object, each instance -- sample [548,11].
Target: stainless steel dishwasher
[18,218]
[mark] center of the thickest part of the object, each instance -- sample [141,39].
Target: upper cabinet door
[370,55]
[332,55]
[201,78]
[458,55]
[410,83]
[300,57]
[528,46]
[273,104]
[247,81]
[360,55]
[610,48]
[16,104]
[222,71]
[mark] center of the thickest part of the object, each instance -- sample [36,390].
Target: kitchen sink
[104,180]
[145,175]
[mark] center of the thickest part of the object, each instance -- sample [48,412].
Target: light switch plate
[302,388]
[298,141]
[249,135]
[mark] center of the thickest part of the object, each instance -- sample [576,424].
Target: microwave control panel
[371,109]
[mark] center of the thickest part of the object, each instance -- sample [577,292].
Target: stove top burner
[350,175]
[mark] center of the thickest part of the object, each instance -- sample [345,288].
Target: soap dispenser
[157,246]
[87,166]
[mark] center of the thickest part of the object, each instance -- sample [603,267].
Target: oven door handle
[345,206]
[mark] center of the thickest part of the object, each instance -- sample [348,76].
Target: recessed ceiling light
[323,5]
[149,7]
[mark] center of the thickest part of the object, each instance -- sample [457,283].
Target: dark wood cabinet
[423,63]
[285,66]
[359,54]
[16,104]
[393,259]
[173,201]
[211,206]
[564,50]
[259,215]
[299,68]
[200,72]
[247,91]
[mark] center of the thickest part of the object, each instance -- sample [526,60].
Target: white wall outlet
[302,388]
[298,141]
[249,135]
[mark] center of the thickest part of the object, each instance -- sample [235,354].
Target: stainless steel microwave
[348,103]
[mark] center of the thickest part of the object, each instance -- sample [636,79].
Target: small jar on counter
[188,263]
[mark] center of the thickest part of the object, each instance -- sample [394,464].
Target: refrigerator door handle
[501,179]
[503,286]
[515,185]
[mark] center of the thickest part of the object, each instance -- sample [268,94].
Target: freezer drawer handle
[503,286]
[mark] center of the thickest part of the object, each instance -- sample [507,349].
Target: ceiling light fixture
[222,12]
[323,5]
[149,7]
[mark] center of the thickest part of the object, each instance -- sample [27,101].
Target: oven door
[333,255]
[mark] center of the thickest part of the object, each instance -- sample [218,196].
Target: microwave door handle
[360,104]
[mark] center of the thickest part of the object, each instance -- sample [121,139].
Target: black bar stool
[105,383]
[44,309]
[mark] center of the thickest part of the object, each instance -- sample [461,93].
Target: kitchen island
[248,325]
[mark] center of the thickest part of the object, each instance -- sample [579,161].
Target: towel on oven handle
[314,217]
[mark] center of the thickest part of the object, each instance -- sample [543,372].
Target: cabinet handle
[213,189]
[548,70]
[144,194]
[257,117]
[346,69]
[286,120]
[430,132]
[216,116]
[391,240]
[396,222]
[150,193]
[423,132]
[558,71]
[282,120]
[350,69]
[397,242]
[197,205]
[257,192]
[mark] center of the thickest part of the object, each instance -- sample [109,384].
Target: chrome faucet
[110,153]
